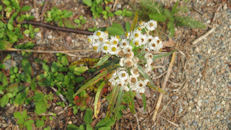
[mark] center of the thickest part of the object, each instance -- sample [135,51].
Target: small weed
[100,7]
[171,17]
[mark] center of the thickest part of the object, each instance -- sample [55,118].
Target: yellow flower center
[98,33]
[95,48]
[136,35]
[137,43]
[101,39]
[114,42]
[113,49]
[105,48]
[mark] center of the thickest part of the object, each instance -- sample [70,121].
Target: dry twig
[60,95]
[176,125]
[164,85]
[204,36]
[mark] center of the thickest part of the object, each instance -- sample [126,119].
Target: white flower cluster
[123,48]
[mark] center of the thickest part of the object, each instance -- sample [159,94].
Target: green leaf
[158,17]
[78,70]
[92,82]
[104,128]
[72,127]
[20,116]
[171,28]
[87,2]
[81,127]
[102,60]
[106,122]
[6,2]
[119,12]
[88,116]
[29,124]
[128,27]
[4,100]
[4,45]
[188,22]
[115,29]
[112,101]
[27,32]
[40,103]
[144,101]
[47,128]
[25,8]
[64,60]
[39,123]
[10,26]
[88,127]
[97,97]
[0,7]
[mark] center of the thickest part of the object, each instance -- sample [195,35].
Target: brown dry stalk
[64,29]
[204,36]
[67,52]
[163,86]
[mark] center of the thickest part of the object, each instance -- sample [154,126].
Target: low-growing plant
[58,16]
[10,32]
[171,16]
[100,7]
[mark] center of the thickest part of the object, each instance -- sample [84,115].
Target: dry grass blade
[163,86]
[67,52]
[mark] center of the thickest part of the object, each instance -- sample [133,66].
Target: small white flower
[113,50]
[151,25]
[129,55]
[153,46]
[128,62]
[128,49]
[91,39]
[114,40]
[127,35]
[143,39]
[136,34]
[137,42]
[96,46]
[133,79]
[105,48]
[135,72]
[123,75]
[124,43]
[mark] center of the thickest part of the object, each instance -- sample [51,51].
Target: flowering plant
[130,75]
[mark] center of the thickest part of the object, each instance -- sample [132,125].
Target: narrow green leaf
[162,55]
[128,27]
[97,97]
[88,116]
[112,101]
[144,101]
[92,82]
[131,102]
[102,60]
